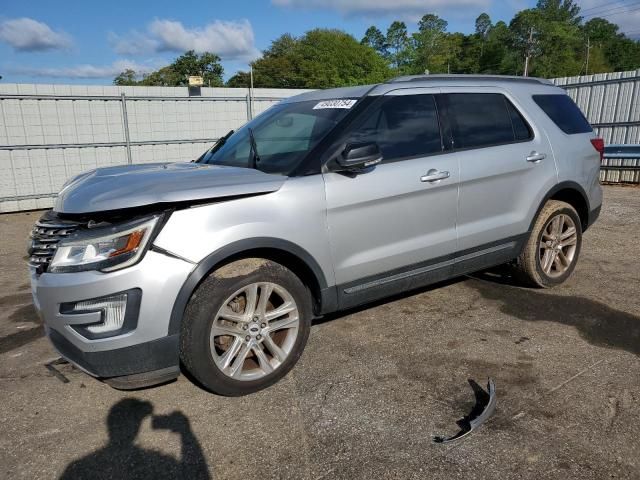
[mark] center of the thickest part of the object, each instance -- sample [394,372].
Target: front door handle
[535,157]
[434,175]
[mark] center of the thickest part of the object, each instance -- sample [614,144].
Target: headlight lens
[106,249]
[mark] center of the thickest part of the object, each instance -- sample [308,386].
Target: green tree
[557,46]
[375,39]
[432,50]
[399,45]
[601,31]
[499,56]
[567,11]
[552,34]
[128,77]
[239,80]
[176,74]
[483,25]
[321,58]
[618,52]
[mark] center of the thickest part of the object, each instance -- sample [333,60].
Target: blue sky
[72,41]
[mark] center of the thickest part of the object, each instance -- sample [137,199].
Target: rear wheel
[245,327]
[552,251]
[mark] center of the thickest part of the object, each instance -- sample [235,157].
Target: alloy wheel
[558,245]
[254,331]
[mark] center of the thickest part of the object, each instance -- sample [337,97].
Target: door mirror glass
[358,156]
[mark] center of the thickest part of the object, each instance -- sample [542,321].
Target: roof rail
[456,77]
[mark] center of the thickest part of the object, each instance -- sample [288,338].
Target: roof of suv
[411,81]
[449,78]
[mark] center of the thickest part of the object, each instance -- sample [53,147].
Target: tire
[532,266]
[220,327]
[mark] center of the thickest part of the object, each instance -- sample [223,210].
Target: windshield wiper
[216,146]
[255,158]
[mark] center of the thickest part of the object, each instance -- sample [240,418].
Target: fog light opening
[113,310]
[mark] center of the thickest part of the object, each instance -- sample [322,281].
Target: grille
[45,236]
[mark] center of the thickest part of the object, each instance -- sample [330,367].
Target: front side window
[283,135]
[402,125]
[484,119]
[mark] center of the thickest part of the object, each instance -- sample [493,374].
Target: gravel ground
[371,389]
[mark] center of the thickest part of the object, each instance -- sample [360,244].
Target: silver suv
[328,200]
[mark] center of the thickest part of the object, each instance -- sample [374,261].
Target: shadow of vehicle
[122,459]
[390,299]
[597,322]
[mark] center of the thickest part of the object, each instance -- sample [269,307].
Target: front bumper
[145,348]
[144,357]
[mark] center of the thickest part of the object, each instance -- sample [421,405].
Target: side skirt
[436,270]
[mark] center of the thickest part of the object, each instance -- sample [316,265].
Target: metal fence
[611,102]
[49,133]
[621,164]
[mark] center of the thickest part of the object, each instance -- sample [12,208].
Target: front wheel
[552,251]
[245,327]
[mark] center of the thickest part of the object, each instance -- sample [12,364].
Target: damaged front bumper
[141,354]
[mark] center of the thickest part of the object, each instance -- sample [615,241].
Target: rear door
[394,227]
[505,164]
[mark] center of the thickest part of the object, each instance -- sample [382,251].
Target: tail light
[598,144]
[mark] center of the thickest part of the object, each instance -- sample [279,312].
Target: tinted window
[403,126]
[284,135]
[564,113]
[482,119]
[521,129]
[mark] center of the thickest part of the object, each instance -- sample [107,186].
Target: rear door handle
[434,175]
[535,157]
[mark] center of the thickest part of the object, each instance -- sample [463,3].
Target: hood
[128,186]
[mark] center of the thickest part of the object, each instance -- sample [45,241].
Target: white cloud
[85,70]
[406,9]
[29,35]
[135,43]
[229,40]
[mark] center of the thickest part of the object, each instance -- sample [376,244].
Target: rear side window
[484,119]
[564,113]
[402,125]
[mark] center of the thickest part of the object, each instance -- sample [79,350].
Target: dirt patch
[20,339]
[240,267]
[15,299]
[26,313]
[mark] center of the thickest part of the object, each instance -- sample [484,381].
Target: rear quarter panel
[575,157]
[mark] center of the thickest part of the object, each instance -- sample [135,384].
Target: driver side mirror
[358,156]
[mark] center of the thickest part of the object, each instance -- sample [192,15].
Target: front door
[393,227]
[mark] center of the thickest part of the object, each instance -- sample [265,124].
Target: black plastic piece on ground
[51,366]
[481,412]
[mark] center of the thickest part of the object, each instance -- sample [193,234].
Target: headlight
[106,249]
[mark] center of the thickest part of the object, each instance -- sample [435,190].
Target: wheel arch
[288,254]
[571,193]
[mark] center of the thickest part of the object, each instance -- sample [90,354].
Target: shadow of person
[122,459]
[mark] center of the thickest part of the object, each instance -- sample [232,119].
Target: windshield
[283,135]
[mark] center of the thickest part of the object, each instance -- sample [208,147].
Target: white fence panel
[49,133]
